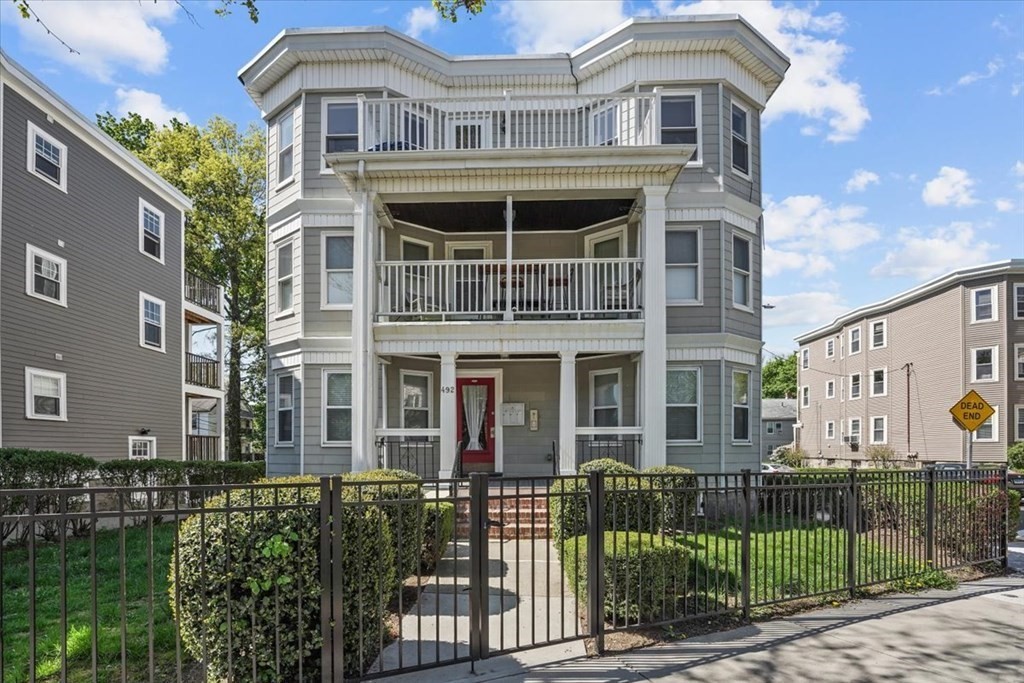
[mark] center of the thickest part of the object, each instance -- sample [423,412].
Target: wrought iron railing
[621,444]
[413,450]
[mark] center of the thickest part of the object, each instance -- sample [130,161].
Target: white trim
[451,247]
[402,374]
[698,160]
[340,370]
[700,405]
[830,389]
[746,175]
[1018,297]
[885,382]
[324,305]
[805,359]
[995,428]
[284,182]
[1017,375]
[885,430]
[830,425]
[151,440]
[1018,409]
[402,239]
[860,386]
[884,322]
[143,298]
[699,301]
[860,430]
[30,253]
[805,396]
[974,365]
[618,401]
[278,409]
[33,131]
[830,343]
[749,306]
[994,293]
[476,118]
[62,398]
[860,341]
[748,405]
[603,236]
[498,376]
[354,101]
[283,312]
[143,205]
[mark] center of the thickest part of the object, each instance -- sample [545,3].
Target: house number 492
[448,390]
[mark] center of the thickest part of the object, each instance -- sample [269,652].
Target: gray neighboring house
[778,418]
[107,346]
[914,355]
[513,263]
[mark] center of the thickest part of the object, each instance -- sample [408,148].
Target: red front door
[475,396]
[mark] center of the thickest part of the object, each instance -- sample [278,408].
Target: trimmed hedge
[403,507]
[630,503]
[644,574]
[677,493]
[438,528]
[265,564]
[22,468]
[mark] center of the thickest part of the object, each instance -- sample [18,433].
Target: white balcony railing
[489,289]
[510,122]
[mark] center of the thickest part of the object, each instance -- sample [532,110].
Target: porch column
[567,413]
[448,408]
[653,397]
[363,453]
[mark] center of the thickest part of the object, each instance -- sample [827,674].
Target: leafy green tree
[778,377]
[1015,456]
[222,170]
[132,131]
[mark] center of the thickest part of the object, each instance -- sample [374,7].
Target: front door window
[476,419]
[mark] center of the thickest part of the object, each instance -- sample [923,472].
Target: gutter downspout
[721,325]
[572,72]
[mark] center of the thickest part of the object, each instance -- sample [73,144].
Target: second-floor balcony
[533,289]
[202,371]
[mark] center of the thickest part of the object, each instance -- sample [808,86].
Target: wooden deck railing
[202,447]
[202,371]
[202,292]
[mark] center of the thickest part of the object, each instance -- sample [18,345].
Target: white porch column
[363,454]
[653,397]
[567,413]
[448,408]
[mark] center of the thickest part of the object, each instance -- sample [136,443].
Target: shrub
[790,455]
[881,456]
[630,504]
[644,574]
[438,527]
[135,473]
[265,563]
[1015,456]
[403,507]
[29,469]
[1012,514]
[677,493]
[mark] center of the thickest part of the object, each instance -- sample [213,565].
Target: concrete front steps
[524,517]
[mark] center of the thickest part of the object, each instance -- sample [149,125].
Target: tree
[222,171]
[132,131]
[778,377]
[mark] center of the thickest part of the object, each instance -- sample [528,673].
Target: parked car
[1015,480]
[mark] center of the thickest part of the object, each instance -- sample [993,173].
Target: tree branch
[28,13]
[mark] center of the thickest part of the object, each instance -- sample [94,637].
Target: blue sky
[893,153]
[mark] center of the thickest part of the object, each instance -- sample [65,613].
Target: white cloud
[953,186]
[860,180]
[815,87]
[1018,169]
[1005,205]
[993,67]
[148,105]
[109,34]
[923,255]
[777,261]
[420,20]
[543,26]
[1016,89]
[811,223]
[806,309]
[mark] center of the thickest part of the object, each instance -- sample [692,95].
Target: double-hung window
[741,293]
[989,429]
[805,358]
[417,389]
[682,412]
[286,147]
[1018,364]
[805,397]
[141,448]
[830,389]
[1018,301]
[854,430]
[985,364]
[605,398]
[740,140]
[1019,421]
[47,158]
[151,322]
[830,430]
[878,334]
[879,428]
[854,385]
[336,286]
[740,406]
[285,409]
[340,119]
[879,382]
[45,395]
[680,121]
[285,267]
[337,401]
[983,305]
[855,341]
[151,230]
[46,276]
[682,266]
[830,348]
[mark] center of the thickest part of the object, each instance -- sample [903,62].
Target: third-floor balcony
[202,293]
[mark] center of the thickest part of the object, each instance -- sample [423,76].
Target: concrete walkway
[972,634]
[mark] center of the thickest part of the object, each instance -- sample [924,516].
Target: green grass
[79,608]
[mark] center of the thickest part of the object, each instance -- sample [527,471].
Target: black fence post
[929,517]
[478,590]
[1004,527]
[851,532]
[326,663]
[745,543]
[595,558]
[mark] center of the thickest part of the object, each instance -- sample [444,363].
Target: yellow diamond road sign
[971,411]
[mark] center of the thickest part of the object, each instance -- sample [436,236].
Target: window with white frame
[47,158]
[830,348]
[337,402]
[879,382]
[285,409]
[879,338]
[985,364]
[416,130]
[45,395]
[988,431]
[854,340]
[879,429]
[151,322]
[740,406]
[604,125]
[983,305]
[336,286]
[741,272]
[854,430]
[1019,421]
[682,405]
[740,139]
[680,121]
[855,386]
[805,397]
[151,230]
[341,127]
[285,284]
[286,147]
[141,447]
[769,427]
[1018,355]
[830,388]
[682,266]
[605,398]
[830,430]
[1018,301]
[46,275]
[805,358]
[417,389]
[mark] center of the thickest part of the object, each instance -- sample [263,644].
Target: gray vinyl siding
[985,334]
[320,459]
[283,460]
[318,322]
[288,325]
[690,178]
[750,190]
[627,416]
[115,387]
[282,194]
[705,317]
[737,320]
[783,437]
[315,184]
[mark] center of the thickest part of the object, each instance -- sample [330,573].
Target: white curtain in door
[474,406]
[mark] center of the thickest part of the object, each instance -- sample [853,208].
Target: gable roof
[778,409]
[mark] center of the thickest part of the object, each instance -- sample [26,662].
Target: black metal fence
[420,455]
[624,448]
[324,579]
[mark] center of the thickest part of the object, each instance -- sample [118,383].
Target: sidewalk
[974,633]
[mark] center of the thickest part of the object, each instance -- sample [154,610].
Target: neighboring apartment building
[778,419]
[107,346]
[516,263]
[887,373]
